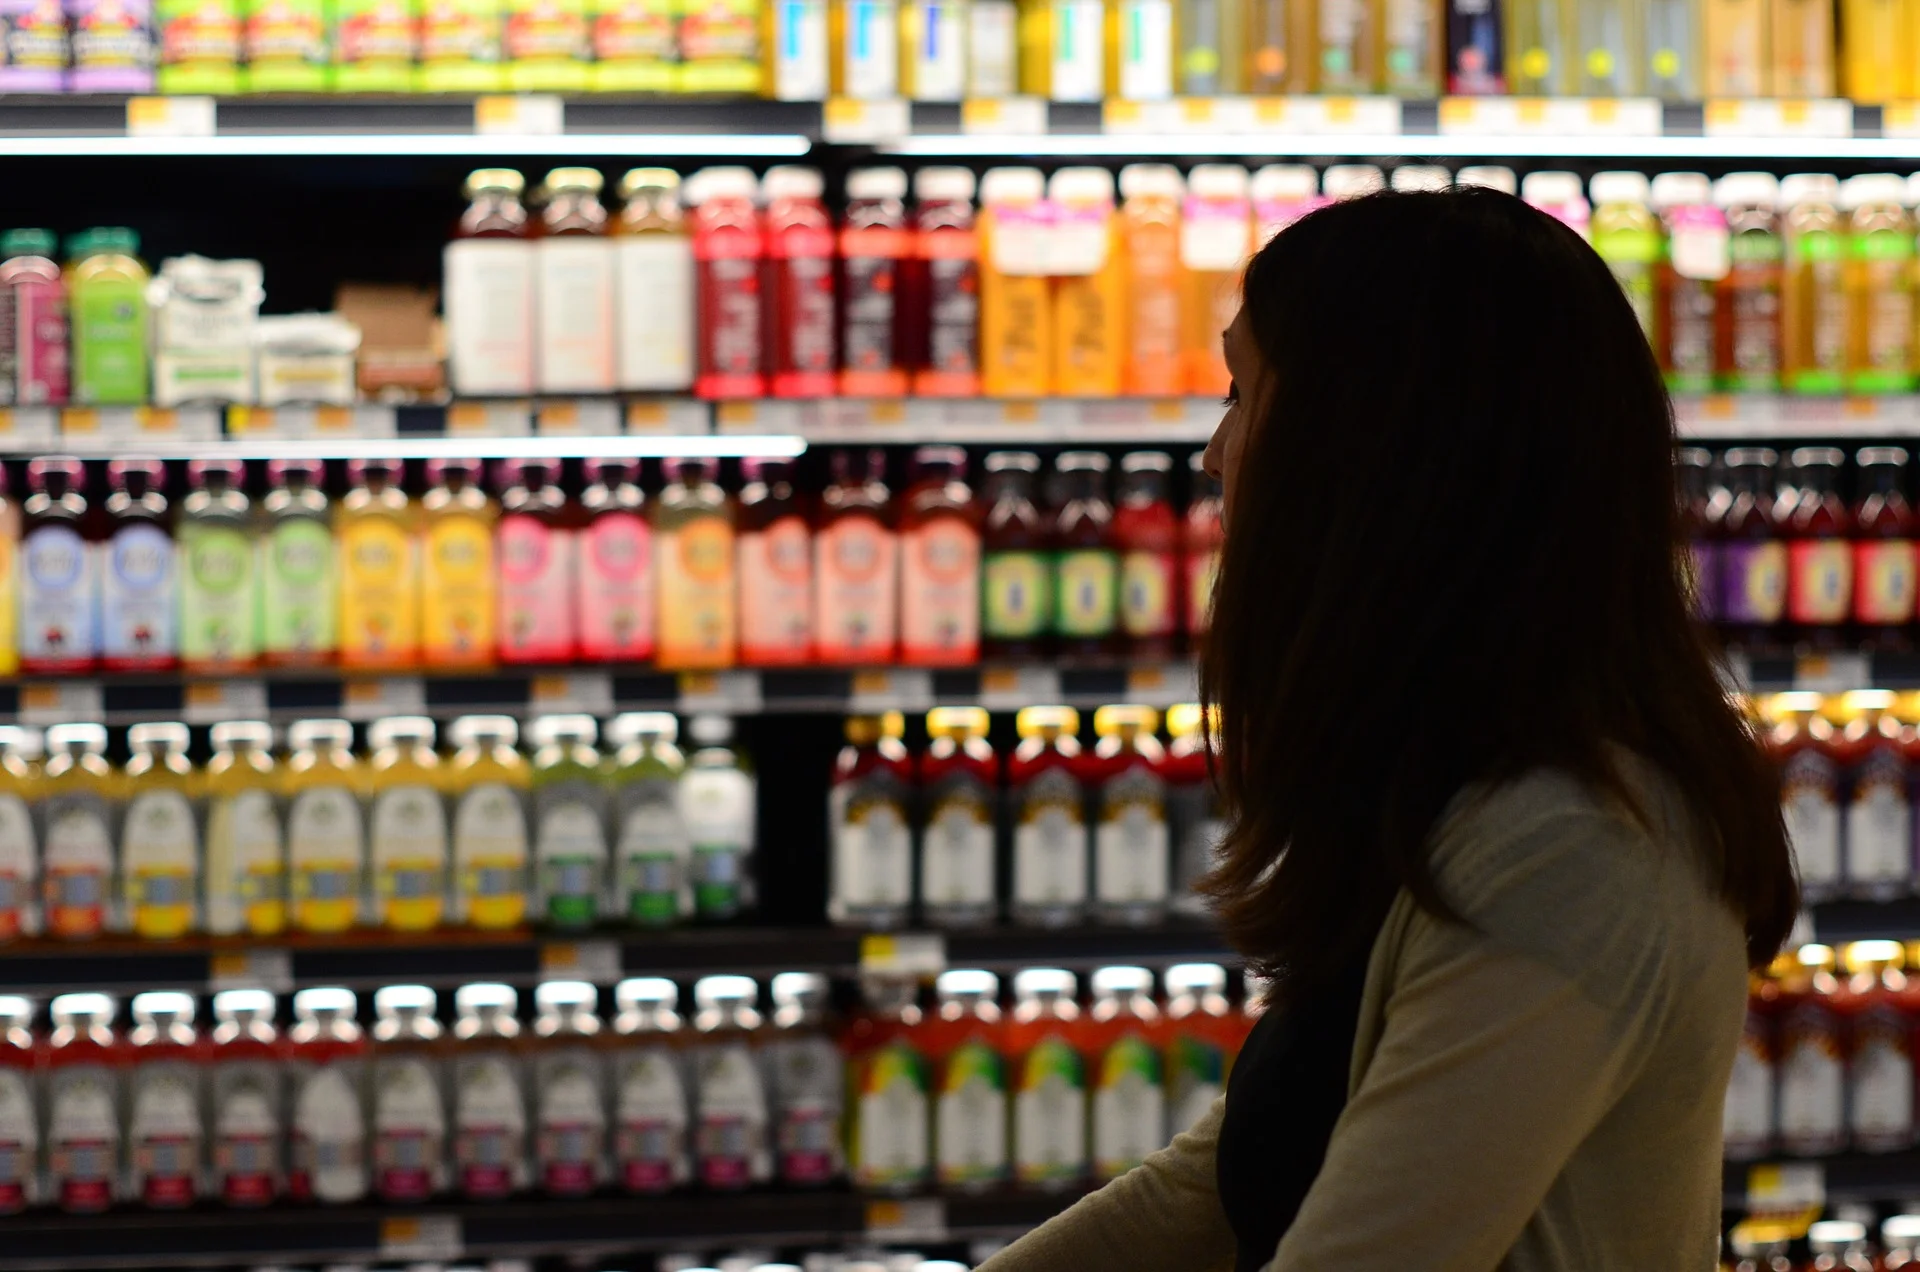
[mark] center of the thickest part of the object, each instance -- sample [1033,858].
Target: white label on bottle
[651,1105]
[1747,1120]
[137,601]
[1079,50]
[243,857]
[1215,236]
[1880,1113]
[571,1134]
[1813,830]
[940,53]
[656,310]
[489,308]
[893,1129]
[489,843]
[972,1129]
[19,1139]
[992,56]
[163,1133]
[1812,1098]
[1879,833]
[329,1136]
[83,1136]
[800,51]
[326,848]
[1081,239]
[489,1126]
[78,862]
[409,1127]
[1130,842]
[1050,843]
[730,1129]
[1699,248]
[409,834]
[1146,58]
[718,806]
[1050,1127]
[57,590]
[1129,1118]
[19,862]
[571,832]
[159,855]
[957,860]
[872,55]
[872,847]
[575,308]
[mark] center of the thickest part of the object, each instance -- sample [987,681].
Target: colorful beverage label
[802,324]
[993,59]
[650,1111]
[727,267]
[1810,800]
[1131,851]
[83,1137]
[536,590]
[327,1147]
[113,51]
[1883,575]
[1076,56]
[634,46]
[109,341]
[375,44]
[1050,1114]
[461,46]
[1748,1117]
[938,52]
[654,852]
[1820,580]
[287,48]
[1049,841]
[1879,825]
[409,1130]
[219,594]
[379,593]
[199,46]
[720,46]
[1754,302]
[457,590]
[654,324]
[245,1130]
[57,582]
[1883,259]
[33,46]
[718,804]
[1754,581]
[297,590]
[695,560]
[570,1135]
[856,590]
[547,45]
[730,1118]
[1016,595]
[1148,591]
[615,588]
[489,1126]
[970,1116]
[872,850]
[870,286]
[78,864]
[246,880]
[957,847]
[163,1133]
[1820,355]
[570,845]
[890,1148]
[490,857]
[159,864]
[1129,1107]
[1196,1073]
[776,593]
[805,1073]
[1086,593]
[407,833]
[939,593]
[1812,1082]
[489,306]
[9,596]
[33,324]
[19,870]
[326,858]
[137,600]
[574,312]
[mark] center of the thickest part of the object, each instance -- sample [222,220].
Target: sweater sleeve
[1163,1214]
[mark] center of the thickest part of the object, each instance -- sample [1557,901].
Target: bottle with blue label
[59,583]
[138,599]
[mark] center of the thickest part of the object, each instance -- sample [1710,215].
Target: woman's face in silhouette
[1249,372]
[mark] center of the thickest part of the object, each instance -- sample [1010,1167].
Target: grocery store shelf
[1733,416]
[1863,1177]
[1896,920]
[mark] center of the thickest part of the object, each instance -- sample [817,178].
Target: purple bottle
[33,46]
[113,50]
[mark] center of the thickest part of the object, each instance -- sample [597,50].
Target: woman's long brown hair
[1452,556]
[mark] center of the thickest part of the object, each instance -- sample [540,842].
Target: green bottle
[219,605]
[297,620]
[651,846]
[569,820]
[107,301]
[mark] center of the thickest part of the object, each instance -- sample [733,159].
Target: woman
[1499,837]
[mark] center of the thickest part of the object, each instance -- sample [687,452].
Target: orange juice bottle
[1875,33]
[1215,239]
[1813,292]
[456,566]
[694,563]
[379,569]
[1016,300]
[1879,282]
[1089,276]
[1150,247]
[1737,33]
[1800,49]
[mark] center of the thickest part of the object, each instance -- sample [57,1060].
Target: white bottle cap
[1747,189]
[1421,176]
[646,989]
[1081,185]
[709,990]
[565,993]
[1013,185]
[1875,187]
[789,181]
[546,730]
[946,185]
[1620,187]
[1218,181]
[1488,176]
[485,994]
[404,998]
[1203,977]
[393,729]
[1351,180]
[1809,187]
[876,183]
[1151,181]
[1550,189]
[163,1002]
[1043,980]
[1122,980]
[234,1002]
[1284,182]
[92,1005]
[1678,189]
[325,998]
[967,981]
[720,183]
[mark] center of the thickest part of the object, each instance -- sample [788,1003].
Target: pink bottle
[613,566]
[728,242]
[803,353]
[33,321]
[534,551]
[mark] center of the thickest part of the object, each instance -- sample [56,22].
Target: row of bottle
[896,1098]
[1050,834]
[1832,1245]
[325,841]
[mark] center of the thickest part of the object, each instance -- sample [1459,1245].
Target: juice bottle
[1800,44]
[613,566]
[796,39]
[1747,310]
[298,625]
[379,569]
[1753,585]
[33,308]
[159,865]
[1819,557]
[489,268]
[1195,825]
[164,1136]
[1050,1081]
[569,820]
[1811,1058]
[20,751]
[1215,241]
[1063,49]
[1748,1116]
[1150,241]
[1208,37]
[1874,34]
[1411,48]
[1885,557]
[776,567]
[219,586]
[1201,1038]
[1046,805]
[1140,50]
[59,629]
[326,841]
[1687,281]
[993,49]
[409,1103]
[78,797]
[10,581]
[801,349]
[573,295]
[1628,237]
[1695,468]
[933,50]
[1130,841]
[1555,193]
[964,1046]
[461,47]
[1814,324]
[856,564]
[1878,1036]
[326,1076]
[870,826]
[1805,744]
[1476,49]
[1282,193]
[535,544]
[939,562]
[81,1088]
[1738,32]
[137,584]
[1089,286]
[1346,42]
[406,825]
[940,286]
[805,1082]
[375,45]
[1878,822]
[107,295]
[488,781]
[1149,541]
[1127,1075]
[728,244]
[19,1121]
[1201,537]
[864,39]
[887,1142]
[718,798]
[1540,51]
[730,1098]
[486,1095]
[959,784]
[650,1150]
[1086,568]
[1673,69]
[874,243]
[653,283]
[1016,576]
[1488,177]
[1879,285]
[693,558]
[1611,39]
[1016,297]
[457,600]
[570,1090]
[1279,44]
[244,1100]
[651,845]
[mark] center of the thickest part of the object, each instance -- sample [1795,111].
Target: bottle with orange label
[379,569]
[456,567]
[1089,285]
[939,562]
[1150,246]
[1216,236]
[535,540]
[19,838]
[874,244]
[856,564]
[1016,296]
[776,567]
[694,554]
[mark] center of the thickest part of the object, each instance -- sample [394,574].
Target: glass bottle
[1149,540]
[1748,310]
[1878,817]
[970,1114]
[873,244]
[326,836]
[487,1099]
[569,1086]
[164,1135]
[806,1085]
[651,845]
[1202,1036]
[298,620]
[1016,575]
[868,819]
[888,1145]
[20,754]
[798,284]
[776,567]
[940,293]
[138,601]
[326,1078]
[536,538]
[81,1089]
[694,555]
[1688,280]
[1884,552]
[614,577]
[960,789]
[244,1100]
[1814,325]
[80,792]
[1195,825]
[730,1118]
[219,583]
[573,287]
[1817,527]
[406,825]
[1201,537]
[489,268]
[487,783]
[729,249]
[1130,842]
[457,569]
[653,270]
[651,1152]
[939,562]
[856,564]
[1086,570]
[569,820]
[718,797]
[1879,284]
[58,570]
[159,869]
[1046,805]
[1805,744]
[246,873]
[1050,1081]
[1753,589]
[1129,1087]
[379,569]
[409,1102]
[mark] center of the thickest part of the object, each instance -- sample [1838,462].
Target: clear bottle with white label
[1129,1082]
[807,1085]
[164,1135]
[246,881]
[1049,1080]
[1130,843]
[1047,810]
[159,867]
[1880,1087]
[651,848]
[719,800]
[81,1094]
[960,805]
[139,604]
[933,50]
[326,1078]
[326,836]
[488,1095]
[864,42]
[19,1120]
[649,1086]
[969,1082]
[574,305]
[487,783]
[870,827]
[730,1117]
[569,821]
[406,825]
[993,49]
[1140,57]
[80,793]
[245,1112]
[1810,1046]
[489,281]
[797,50]
[569,1090]
[653,260]
[409,1102]
[20,753]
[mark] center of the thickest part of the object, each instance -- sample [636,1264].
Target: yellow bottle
[159,835]
[1016,298]
[457,603]
[1738,32]
[487,784]
[693,552]
[1880,284]
[19,841]
[379,569]
[1540,47]
[1813,289]
[1876,35]
[79,795]
[1800,49]
[406,825]
[1215,241]
[1089,284]
[246,866]
[326,843]
[1063,49]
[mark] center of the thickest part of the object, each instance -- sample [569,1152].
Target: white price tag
[1010,688]
[211,701]
[369,699]
[917,954]
[1551,116]
[312,421]
[1823,117]
[585,692]
[1786,1186]
[669,415]
[431,1237]
[721,692]
[58,701]
[755,416]
[1325,116]
[1730,414]
[1833,673]
[891,689]
[250,969]
[1122,118]
[490,419]
[1004,116]
[591,417]
[170,116]
[28,425]
[912,1219]
[522,115]
[1163,685]
[848,120]
[596,961]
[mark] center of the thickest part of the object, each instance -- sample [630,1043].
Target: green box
[720,47]
[199,42]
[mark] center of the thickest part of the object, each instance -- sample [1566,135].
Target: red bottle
[137,619]
[1753,560]
[613,593]
[163,1100]
[244,1099]
[940,334]
[856,564]
[535,542]
[1086,562]
[1149,538]
[869,819]
[1810,779]
[1885,562]
[83,1061]
[775,547]
[874,244]
[1817,527]
[1016,572]
[58,571]
[939,562]
[1047,806]
[800,320]
[19,1133]
[729,243]
[960,817]
[887,1077]
[326,1076]
[1876,1005]
[965,1044]
[1200,547]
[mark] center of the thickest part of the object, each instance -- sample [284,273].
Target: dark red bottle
[1016,577]
[1148,535]
[1818,528]
[1753,560]
[1086,562]
[1884,555]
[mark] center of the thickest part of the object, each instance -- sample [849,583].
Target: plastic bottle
[326,840]
[406,825]
[651,1153]
[1738,32]
[1140,50]
[33,321]
[653,284]
[487,784]
[1627,236]
[1016,296]
[1346,42]
[870,826]
[939,562]
[1686,289]
[486,1096]
[19,1120]
[797,47]
[960,793]
[1150,249]
[1216,230]
[1753,586]
[245,1100]
[1814,325]
[694,560]
[1747,310]
[1148,537]
[1086,571]
[888,1147]
[1046,806]
[570,1090]
[651,847]
[729,243]
[79,794]
[718,798]
[1016,591]
[379,569]
[138,605]
[1884,552]
[1410,48]
[1875,35]
[1129,1095]
[730,1115]
[1558,195]
[1611,41]
[489,269]
[409,1115]
[569,821]
[298,623]
[1063,50]
[1195,826]
[969,1081]
[1878,819]
[219,582]
[1131,848]
[1199,1047]
[159,861]
[933,50]
[81,1086]
[1673,68]
[940,284]
[457,571]
[535,542]
[864,38]
[1282,193]
[775,566]
[874,243]
[1880,248]
[1209,37]
[1050,1081]
[59,625]
[1540,51]
[1476,64]
[1201,537]
[800,325]
[856,564]
[326,1099]
[574,275]
[1800,44]
[1089,284]
[806,1082]
[164,1133]
[613,565]
[107,293]
[20,752]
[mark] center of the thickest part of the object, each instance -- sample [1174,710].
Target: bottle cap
[1488,177]
[415,729]
[1809,187]
[711,730]
[152,471]
[1620,187]
[83,737]
[28,243]
[1146,462]
[229,1003]
[877,183]
[638,179]
[68,467]
[305,734]
[1817,457]
[1031,722]
[548,729]
[1112,720]
[655,990]
[22,742]
[1677,189]
[966,982]
[398,998]
[710,991]
[281,471]
[611,470]
[1043,980]
[1183,719]
[952,458]
[565,993]
[795,987]
[1550,189]
[1196,978]
[789,181]
[1901,1229]
[1285,183]
[167,734]
[502,730]
[1421,176]
[1874,187]
[629,726]
[1081,462]
[162,1002]
[1122,980]
[1012,462]
[944,185]
[1870,455]
[201,472]
[865,730]
[588,179]
[958,722]
[328,998]
[1747,189]
[1833,1236]
[502,180]
[382,466]
[1013,185]
[1750,457]
[97,1007]
[1218,181]
[471,998]
[1352,180]
[1081,186]
[1151,181]
[727,182]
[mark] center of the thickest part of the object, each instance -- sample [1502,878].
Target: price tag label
[1833,673]
[917,954]
[490,419]
[1558,116]
[1164,685]
[1010,688]
[848,120]
[250,969]
[588,692]
[724,692]
[428,1237]
[891,689]
[211,701]
[1900,119]
[1823,117]
[170,116]
[1778,1186]
[520,114]
[596,961]
[28,425]
[371,698]
[668,415]
[311,421]
[912,1219]
[748,416]
[591,417]
[1004,116]
[58,701]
